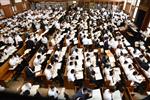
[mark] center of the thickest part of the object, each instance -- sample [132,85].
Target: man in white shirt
[85,40]
[10,40]
[88,63]
[38,26]
[118,52]
[53,93]
[37,62]
[71,75]
[57,25]
[107,95]
[19,41]
[113,43]
[14,61]
[134,77]
[26,86]
[48,72]
[44,41]
[70,65]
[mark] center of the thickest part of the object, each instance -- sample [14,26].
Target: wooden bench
[6,75]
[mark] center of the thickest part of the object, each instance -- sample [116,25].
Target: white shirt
[14,61]
[135,78]
[118,52]
[116,76]
[53,92]
[39,61]
[71,77]
[74,53]
[69,67]
[57,25]
[26,86]
[48,73]
[36,62]
[2,88]
[88,63]
[54,72]
[18,39]
[61,95]
[110,78]
[116,95]
[129,60]
[107,95]
[121,59]
[38,26]
[113,43]
[9,50]
[44,40]
[106,71]
[85,41]
[10,40]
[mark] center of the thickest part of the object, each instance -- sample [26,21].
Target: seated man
[10,40]
[30,75]
[135,77]
[18,40]
[71,75]
[53,93]
[14,61]
[20,67]
[48,72]
[44,41]
[29,89]
[85,40]
[25,89]
[107,95]
[30,43]
[83,93]
[38,62]
[63,95]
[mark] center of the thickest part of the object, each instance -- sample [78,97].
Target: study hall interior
[75,49]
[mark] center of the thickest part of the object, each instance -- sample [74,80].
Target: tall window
[149,25]
[148,29]
[2,14]
[136,4]
[14,9]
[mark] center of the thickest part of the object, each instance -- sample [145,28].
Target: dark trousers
[20,44]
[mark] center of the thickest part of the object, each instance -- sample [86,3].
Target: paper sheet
[96,95]
[33,89]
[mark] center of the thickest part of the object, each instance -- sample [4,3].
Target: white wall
[17,1]
[5,2]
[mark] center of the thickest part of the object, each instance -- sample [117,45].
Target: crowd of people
[78,44]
